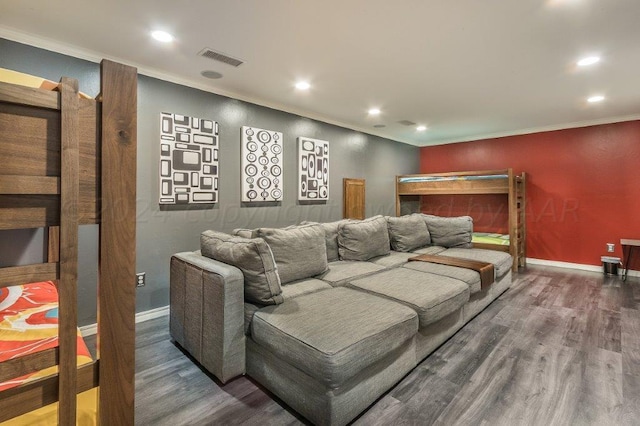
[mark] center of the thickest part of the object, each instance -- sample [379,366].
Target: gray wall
[165,230]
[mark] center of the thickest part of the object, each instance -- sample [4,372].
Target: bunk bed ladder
[31,198]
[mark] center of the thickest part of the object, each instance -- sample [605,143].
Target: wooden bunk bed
[411,188]
[67,161]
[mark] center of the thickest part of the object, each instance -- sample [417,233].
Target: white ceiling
[467,69]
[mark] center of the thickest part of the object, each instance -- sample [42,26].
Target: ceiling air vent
[220,57]
[407,123]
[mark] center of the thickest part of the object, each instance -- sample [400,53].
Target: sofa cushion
[432,296]
[342,271]
[244,233]
[332,335]
[299,251]
[302,287]
[253,257]
[469,276]
[430,250]
[331,237]
[363,239]
[450,231]
[393,259]
[502,261]
[407,233]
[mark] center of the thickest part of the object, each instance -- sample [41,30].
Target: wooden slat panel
[116,292]
[489,186]
[29,185]
[462,173]
[68,283]
[22,95]
[36,394]
[27,364]
[16,275]
[53,244]
[89,116]
[33,211]
[29,141]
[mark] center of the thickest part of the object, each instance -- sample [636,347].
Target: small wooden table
[485,269]
[626,260]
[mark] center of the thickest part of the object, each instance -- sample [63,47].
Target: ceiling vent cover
[220,57]
[407,123]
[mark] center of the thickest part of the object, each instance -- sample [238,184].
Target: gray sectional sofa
[328,316]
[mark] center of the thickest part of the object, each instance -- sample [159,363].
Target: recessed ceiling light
[374,111]
[303,85]
[589,60]
[594,99]
[421,128]
[211,74]
[162,36]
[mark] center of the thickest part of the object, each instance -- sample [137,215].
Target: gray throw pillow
[450,231]
[299,251]
[253,257]
[244,233]
[363,239]
[330,236]
[408,233]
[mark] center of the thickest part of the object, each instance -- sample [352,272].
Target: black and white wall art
[188,160]
[313,169]
[261,165]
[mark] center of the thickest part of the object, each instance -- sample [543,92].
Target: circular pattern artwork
[262,161]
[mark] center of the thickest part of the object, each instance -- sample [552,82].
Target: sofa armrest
[207,313]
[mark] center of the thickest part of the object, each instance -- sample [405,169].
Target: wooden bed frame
[68,161]
[514,186]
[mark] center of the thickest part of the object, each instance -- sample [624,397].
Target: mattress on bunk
[29,324]
[449,178]
[490,238]
[22,79]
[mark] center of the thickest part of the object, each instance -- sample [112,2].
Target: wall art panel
[188,160]
[313,169]
[261,165]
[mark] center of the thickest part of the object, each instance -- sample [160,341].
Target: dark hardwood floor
[559,348]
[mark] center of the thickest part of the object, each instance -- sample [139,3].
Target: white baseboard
[579,266]
[91,329]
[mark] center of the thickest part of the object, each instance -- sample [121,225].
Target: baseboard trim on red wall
[579,266]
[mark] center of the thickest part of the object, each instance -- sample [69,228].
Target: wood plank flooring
[560,347]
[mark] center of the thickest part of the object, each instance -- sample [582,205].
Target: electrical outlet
[140,279]
[610,247]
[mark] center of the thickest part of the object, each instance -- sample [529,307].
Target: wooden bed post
[513,220]
[116,288]
[68,234]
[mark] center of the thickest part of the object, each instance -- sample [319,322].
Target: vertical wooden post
[53,244]
[513,219]
[68,233]
[116,290]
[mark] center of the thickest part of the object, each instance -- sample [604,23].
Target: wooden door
[353,193]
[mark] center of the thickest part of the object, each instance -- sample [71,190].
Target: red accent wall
[583,188]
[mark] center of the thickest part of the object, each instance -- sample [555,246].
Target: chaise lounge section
[328,316]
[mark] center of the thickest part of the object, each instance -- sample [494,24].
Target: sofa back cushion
[408,233]
[330,237]
[244,233]
[363,239]
[253,257]
[299,251]
[450,231]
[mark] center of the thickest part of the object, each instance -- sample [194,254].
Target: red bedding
[28,324]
